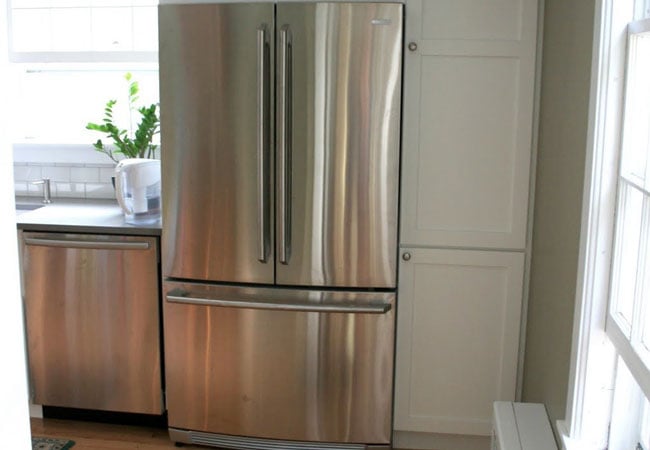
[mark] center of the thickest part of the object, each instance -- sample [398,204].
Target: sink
[23,207]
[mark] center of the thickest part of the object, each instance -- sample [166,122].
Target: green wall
[565,82]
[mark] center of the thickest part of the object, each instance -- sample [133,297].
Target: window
[82,30]
[56,100]
[628,320]
[69,57]
[610,375]
[628,323]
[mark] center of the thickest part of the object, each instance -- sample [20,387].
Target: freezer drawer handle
[262,140]
[177,296]
[100,245]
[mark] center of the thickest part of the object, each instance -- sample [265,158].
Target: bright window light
[57,101]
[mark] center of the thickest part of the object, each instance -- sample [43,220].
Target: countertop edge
[92,229]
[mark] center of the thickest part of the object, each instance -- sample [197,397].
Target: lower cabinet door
[457,338]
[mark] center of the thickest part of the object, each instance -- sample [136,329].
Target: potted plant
[137,173]
[125,142]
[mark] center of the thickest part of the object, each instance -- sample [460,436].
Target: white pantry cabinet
[469,69]
[468,112]
[459,314]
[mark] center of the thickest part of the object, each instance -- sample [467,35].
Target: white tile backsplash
[60,174]
[105,173]
[68,180]
[84,174]
[20,188]
[27,173]
[69,190]
[99,190]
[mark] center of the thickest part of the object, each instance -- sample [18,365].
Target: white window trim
[58,154]
[590,384]
[83,57]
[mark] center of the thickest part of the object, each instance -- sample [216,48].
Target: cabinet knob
[406,256]
[413,46]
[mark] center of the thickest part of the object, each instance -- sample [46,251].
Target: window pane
[98,3]
[56,104]
[70,29]
[15,4]
[627,422]
[145,29]
[645,424]
[628,236]
[644,311]
[111,29]
[637,111]
[31,30]
[70,3]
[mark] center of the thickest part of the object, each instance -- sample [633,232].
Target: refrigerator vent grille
[245,443]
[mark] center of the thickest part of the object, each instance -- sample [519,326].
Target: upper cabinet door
[338,91]
[468,115]
[215,97]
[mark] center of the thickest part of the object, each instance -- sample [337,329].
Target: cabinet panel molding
[468,124]
[472,19]
[457,338]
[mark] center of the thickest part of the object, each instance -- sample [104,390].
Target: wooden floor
[101,436]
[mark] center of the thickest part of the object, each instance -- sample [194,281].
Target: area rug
[41,443]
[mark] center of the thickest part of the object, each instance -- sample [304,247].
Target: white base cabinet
[459,314]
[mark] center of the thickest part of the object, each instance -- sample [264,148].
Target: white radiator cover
[521,426]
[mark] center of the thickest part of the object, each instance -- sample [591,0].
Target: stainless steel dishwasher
[92,319]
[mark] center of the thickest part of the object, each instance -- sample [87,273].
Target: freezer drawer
[284,364]
[92,320]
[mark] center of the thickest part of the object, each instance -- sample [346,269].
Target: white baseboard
[432,441]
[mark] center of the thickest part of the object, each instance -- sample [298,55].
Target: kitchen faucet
[46,189]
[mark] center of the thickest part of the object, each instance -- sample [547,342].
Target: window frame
[593,357]
[627,337]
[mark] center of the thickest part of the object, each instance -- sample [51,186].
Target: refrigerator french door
[280,137]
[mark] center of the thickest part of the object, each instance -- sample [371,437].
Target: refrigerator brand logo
[381,21]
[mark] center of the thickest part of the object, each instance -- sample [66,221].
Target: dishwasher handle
[180,296]
[97,245]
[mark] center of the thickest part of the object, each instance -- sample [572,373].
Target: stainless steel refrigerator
[280,156]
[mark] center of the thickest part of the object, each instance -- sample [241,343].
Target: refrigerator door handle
[262,142]
[285,145]
[180,296]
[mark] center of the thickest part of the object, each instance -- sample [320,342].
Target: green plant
[128,143]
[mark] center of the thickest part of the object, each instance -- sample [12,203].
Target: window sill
[59,154]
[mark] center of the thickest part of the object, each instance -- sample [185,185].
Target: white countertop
[80,216]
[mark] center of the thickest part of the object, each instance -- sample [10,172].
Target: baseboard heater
[521,426]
